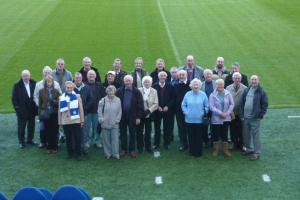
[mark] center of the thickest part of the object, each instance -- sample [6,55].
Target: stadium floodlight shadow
[2,196]
[70,192]
[31,193]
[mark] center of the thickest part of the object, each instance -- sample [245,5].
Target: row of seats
[66,192]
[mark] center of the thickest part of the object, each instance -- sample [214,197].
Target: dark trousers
[141,138]
[124,124]
[165,117]
[43,138]
[195,138]
[30,129]
[51,129]
[220,131]
[182,130]
[172,122]
[73,133]
[236,132]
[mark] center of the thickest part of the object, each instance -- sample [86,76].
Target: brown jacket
[64,118]
[43,99]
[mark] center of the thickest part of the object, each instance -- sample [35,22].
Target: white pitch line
[175,51]
[294,116]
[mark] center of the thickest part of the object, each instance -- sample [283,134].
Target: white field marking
[266,178]
[294,116]
[175,51]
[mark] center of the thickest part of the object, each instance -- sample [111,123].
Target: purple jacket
[215,107]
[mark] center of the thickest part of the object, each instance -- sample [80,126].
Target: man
[87,66]
[174,76]
[236,90]
[160,66]
[119,74]
[47,71]
[83,90]
[60,74]
[26,110]
[235,68]
[220,70]
[254,107]
[138,73]
[110,79]
[165,103]
[132,112]
[180,89]
[193,71]
[97,92]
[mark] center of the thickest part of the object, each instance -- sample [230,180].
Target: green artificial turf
[263,35]
[184,177]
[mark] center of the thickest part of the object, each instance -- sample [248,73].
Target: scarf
[72,100]
[146,93]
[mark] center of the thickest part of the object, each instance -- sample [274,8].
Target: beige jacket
[152,102]
[64,118]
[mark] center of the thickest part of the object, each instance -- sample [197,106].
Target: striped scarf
[72,100]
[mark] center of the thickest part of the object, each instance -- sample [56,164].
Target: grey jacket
[237,97]
[109,112]
[66,77]
[198,72]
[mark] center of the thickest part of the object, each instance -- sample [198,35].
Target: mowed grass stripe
[100,30]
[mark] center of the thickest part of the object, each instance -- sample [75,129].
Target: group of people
[118,113]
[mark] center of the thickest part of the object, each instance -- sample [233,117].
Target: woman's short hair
[220,81]
[69,83]
[149,78]
[238,74]
[195,80]
[111,88]
[48,78]
[207,71]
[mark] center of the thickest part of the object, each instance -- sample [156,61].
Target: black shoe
[21,146]
[246,153]
[31,142]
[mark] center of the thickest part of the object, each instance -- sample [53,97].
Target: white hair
[128,76]
[162,72]
[220,81]
[25,71]
[207,71]
[220,58]
[46,68]
[110,88]
[195,80]
[87,59]
[60,60]
[140,59]
[149,78]
[174,69]
[254,76]
[77,74]
[69,83]
[190,57]
[181,71]
[236,74]
[91,71]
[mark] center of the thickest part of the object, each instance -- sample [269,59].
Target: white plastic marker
[156,154]
[266,178]
[98,198]
[294,116]
[158,180]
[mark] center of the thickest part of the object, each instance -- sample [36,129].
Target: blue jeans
[91,136]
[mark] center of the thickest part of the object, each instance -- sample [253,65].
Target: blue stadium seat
[31,193]
[2,196]
[70,192]
[46,193]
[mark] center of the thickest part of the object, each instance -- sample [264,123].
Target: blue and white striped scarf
[73,106]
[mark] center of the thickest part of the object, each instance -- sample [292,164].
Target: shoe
[49,151]
[254,157]
[85,152]
[54,151]
[107,157]
[246,153]
[99,146]
[31,142]
[133,154]
[41,145]
[155,147]
[182,148]
[225,150]
[117,157]
[21,146]
[122,153]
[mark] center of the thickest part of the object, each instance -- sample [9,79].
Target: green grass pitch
[262,35]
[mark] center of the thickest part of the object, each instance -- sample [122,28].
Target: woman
[221,105]
[150,105]
[109,116]
[48,106]
[71,117]
[194,106]
[208,86]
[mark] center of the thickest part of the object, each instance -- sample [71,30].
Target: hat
[111,72]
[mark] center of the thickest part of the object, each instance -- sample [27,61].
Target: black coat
[137,105]
[119,79]
[143,73]
[229,81]
[180,89]
[85,95]
[84,75]
[154,76]
[96,93]
[168,97]
[23,105]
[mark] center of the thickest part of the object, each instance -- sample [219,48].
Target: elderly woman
[109,116]
[221,105]
[208,86]
[150,105]
[194,106]
[71,117]
[48,106]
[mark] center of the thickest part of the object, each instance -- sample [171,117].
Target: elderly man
[193,71]
[165,92]
[138,72]
[97,92]
[236,68]
[87,66]
[26,109]
[254,107]
[160,66]
[174,75]
[236,90]
[119,73]
[180,89]
[60,74]
[220,70]
[47,71]
[132,112]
